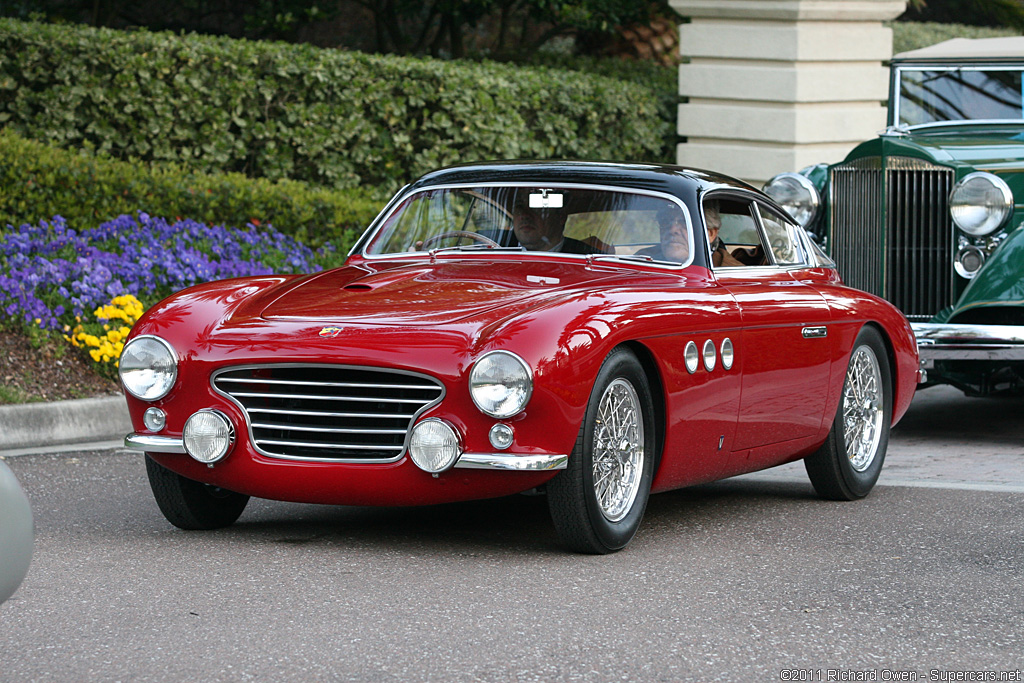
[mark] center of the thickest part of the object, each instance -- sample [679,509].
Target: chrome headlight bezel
[500,384]
[148,379]
[218,427]
[980,203]
[435,445]
[797,195]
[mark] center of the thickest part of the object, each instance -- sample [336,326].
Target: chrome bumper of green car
[938,341]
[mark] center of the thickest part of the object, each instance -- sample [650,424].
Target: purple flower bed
[54,275]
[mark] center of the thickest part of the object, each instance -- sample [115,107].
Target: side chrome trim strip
[154,444]
[513,463]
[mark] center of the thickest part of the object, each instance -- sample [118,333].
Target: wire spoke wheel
[597,503]
[862,408]
[618,450]
[847,465]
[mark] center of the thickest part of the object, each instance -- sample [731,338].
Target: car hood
[425,293]
[995,148]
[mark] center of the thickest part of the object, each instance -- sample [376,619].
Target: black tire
[582,521]
[847,471]
[188,504]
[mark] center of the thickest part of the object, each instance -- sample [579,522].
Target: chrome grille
[328,412]
[907,259]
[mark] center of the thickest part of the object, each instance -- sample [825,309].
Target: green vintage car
[930,214]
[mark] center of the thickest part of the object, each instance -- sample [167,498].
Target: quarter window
[783,238]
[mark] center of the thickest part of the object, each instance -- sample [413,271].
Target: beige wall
[776,85]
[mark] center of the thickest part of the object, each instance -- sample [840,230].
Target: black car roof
[675,180]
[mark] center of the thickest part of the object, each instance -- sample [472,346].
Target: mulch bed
[49,373]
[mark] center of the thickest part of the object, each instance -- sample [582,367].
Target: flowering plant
[92,285]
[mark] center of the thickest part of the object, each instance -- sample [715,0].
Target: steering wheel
[477,237]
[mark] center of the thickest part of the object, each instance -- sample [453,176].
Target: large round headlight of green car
[980,203]
[500,384]
[797,195]
[148,367]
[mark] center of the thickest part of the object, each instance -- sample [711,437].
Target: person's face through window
[714,223]
[674,245]
[537,229]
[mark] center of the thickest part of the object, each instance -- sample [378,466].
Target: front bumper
[508,462]
[938,341]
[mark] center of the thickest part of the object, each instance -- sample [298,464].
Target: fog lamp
[501,436]
[208,436]
[434,445]
[154,419]
[969,261]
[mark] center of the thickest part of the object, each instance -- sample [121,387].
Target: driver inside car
[543,230]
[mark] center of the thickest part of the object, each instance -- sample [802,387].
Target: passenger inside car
[720,255]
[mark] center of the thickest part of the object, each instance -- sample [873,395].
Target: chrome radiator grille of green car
[890,231]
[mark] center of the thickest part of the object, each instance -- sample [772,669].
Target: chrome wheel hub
[618,457]
[862,408]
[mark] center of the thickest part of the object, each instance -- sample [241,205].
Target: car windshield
[568,220]
[959,94]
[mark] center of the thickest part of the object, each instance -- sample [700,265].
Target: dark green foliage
[293,111]
[913,35]
[38,182]
[991,13]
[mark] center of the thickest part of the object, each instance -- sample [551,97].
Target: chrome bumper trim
[473,461]
[938,341]
[154,444]
[510,462]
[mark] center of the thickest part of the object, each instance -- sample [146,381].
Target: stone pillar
[776,85]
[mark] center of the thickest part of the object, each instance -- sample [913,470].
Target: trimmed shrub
[909,35]
[38,181]
[662,83]
[323,116]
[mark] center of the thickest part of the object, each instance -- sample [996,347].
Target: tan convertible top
[1010,47]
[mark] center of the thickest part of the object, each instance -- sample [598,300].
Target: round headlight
[500,384]
[148,367]
[208,436]
[979,203]
[796,194]
[434,445]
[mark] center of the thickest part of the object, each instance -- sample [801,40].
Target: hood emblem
[330,331]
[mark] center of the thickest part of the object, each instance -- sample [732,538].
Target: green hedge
[324,116]
[38,181]
[911,35]
[661,82]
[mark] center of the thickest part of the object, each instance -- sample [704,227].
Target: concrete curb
[40,425]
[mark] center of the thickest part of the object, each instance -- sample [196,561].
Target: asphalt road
[752,579]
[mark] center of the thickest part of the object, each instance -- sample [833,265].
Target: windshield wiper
[475,247]
[641,258]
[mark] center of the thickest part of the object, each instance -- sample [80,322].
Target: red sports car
[595,331]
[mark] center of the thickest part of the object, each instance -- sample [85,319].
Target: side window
[732,233]
[787,249]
